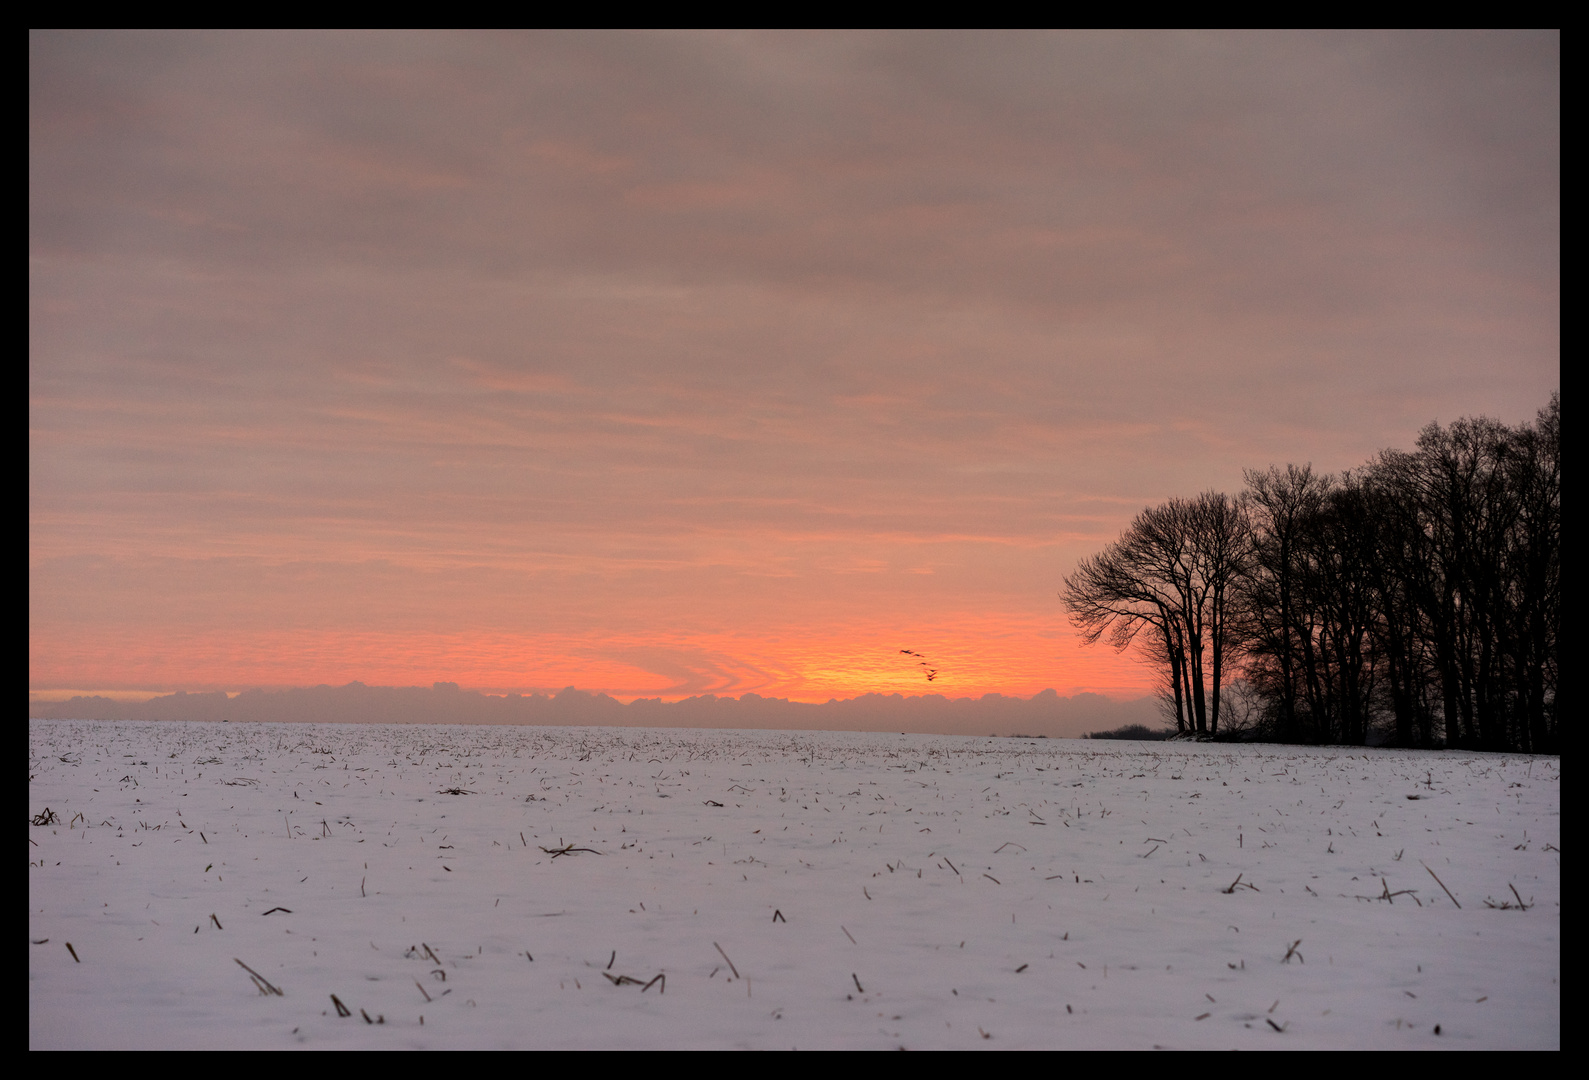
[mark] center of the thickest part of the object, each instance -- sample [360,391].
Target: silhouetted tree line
[1135,732]
[1414,601]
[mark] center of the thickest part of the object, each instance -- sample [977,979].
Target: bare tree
[1221,544]
[1172,572]
[1108,595]
[1281,504]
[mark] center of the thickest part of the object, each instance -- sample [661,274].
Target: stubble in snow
[243,885]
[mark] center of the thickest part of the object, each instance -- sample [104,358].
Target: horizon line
[61,695]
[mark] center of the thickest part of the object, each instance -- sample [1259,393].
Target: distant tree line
[1414,601]
[1136,732]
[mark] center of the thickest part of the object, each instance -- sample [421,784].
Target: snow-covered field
[790,889]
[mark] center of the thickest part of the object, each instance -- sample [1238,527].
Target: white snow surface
[796,889]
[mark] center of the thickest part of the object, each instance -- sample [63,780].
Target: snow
[851,890]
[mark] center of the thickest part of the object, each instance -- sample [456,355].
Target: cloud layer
[1045,715]
[685,363]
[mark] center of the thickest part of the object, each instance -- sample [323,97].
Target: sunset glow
[970,661]
[674,364]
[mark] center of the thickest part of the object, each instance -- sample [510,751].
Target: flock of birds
[922,661]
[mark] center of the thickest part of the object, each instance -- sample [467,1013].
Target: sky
[664,364]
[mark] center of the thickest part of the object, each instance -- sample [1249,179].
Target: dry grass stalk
[260,981]
[1389,896]
[569,849]
[1507,905]
[1440,883]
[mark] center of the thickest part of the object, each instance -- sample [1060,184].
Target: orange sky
[665,364]
[972,660]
